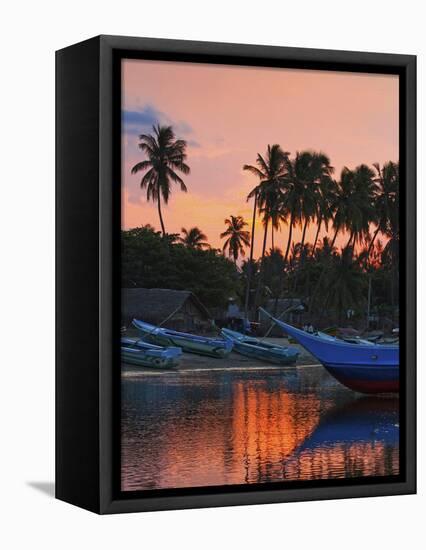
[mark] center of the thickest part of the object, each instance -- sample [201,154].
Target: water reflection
[217,428]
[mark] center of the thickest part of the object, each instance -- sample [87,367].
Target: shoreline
[191,362]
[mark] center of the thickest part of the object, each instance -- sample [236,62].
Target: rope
[162,323]
[273,323]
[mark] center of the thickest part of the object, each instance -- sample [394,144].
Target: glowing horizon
[228,114]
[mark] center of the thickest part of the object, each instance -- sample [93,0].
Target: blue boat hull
[365,379]
[252,347]
[362,368]
[143,354]
[200,345]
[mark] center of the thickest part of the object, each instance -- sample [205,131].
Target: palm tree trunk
[249,267]
[312,298]
[335,236]
[259,281]
[372,241]
[290,233]
[303,235]
[159,213]
[316,236]
[350,240]
[301,255]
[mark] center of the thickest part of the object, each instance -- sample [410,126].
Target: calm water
[189,429]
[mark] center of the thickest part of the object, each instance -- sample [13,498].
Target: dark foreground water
[191,429]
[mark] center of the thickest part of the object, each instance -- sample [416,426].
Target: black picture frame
[87,272]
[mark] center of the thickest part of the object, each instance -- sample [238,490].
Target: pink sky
[228,114]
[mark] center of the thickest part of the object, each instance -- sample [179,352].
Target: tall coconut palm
[304,174]
[345,284]
[353,212]
[386,196]
[250,263]
[166,155]
[308,171]
[237,238]
[194,238]
[270,170]
[354,206]
[326,199]
[361,206]
[277,215]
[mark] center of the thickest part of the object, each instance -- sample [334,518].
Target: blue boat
[201,345]
[372,368]
[143,354]
[252,347]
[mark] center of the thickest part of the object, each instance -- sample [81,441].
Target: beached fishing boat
[364,368]
[253,347]
[201,345]
[143,354]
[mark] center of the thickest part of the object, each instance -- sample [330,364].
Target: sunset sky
[228,114]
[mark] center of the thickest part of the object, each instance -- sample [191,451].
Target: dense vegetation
[150,260]
[362,205]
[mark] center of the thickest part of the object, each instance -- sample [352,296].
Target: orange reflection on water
[267,428]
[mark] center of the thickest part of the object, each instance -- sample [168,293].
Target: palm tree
[346,284]
[304,175]
[386,196]
[270,170]
[166,154]
[236,237]
[194,238]
[354,204]
[362,210]
[277,215]
[326,198]
[353,212]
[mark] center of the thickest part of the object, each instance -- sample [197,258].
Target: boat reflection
[235,428]
[360,438]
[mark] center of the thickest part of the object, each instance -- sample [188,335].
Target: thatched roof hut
[154,305]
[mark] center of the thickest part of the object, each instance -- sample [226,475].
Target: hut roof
[156,303]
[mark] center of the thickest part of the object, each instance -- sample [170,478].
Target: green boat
[201,345]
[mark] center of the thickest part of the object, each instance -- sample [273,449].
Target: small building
[182,309]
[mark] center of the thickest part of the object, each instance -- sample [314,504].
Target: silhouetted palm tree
[385,199]
[237,238]
[361,204]
[345,284]
[277,215]
[304,174]
[326,198]
[270,170]
[354,204]
[166,154]
[194,238]
[353,213]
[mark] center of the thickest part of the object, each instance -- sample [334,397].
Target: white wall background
[30,33]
